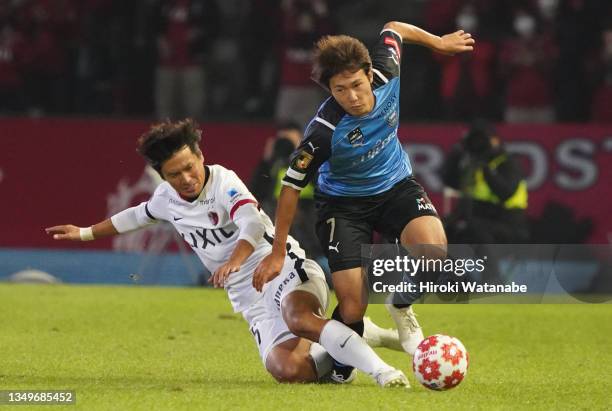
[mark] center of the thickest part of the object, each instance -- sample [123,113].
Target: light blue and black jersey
[357,156]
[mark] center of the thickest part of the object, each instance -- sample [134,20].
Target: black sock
[357,326]
[400,306]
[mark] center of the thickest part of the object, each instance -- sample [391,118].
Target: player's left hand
[220,276]
[457,42]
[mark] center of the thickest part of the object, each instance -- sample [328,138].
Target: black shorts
[345,223]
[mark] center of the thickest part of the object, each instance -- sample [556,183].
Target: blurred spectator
[560,224]
[44,22]
[492,187]
[526,63]
[467,82]
[578,26]
[260,39]
[134,56]
[266,186]
[185,30]
[147,57]
[94,64]
[601,110]
[548,10]
[12,49]
[303,22]
[441,15]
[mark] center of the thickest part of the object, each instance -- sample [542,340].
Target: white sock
[322,360]
[347,347]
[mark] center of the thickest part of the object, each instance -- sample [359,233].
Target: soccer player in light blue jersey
[365,181]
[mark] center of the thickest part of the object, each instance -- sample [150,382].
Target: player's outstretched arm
[74,233]
[272,264]
[450,44]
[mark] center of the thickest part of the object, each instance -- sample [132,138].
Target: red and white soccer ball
[440,362]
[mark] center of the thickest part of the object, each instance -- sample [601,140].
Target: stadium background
[80,80]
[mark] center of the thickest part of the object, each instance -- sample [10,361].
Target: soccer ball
[440,362]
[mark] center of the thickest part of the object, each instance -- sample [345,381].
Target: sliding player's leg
[299,359]
[302,310]
[291,361]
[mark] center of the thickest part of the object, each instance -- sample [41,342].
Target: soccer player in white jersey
[218,217]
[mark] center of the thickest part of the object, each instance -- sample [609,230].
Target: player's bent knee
[427,235]
[297,323]
[286,372]
[298,310]
[303,324]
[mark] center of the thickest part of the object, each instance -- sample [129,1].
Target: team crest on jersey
[355,137]
[213,217]
[302,161]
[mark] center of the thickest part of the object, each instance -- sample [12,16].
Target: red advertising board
[56,171]
[568,164]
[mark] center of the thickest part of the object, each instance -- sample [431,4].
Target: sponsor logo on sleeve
[232,193]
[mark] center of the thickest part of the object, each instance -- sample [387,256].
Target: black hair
[335,54]
[163,140]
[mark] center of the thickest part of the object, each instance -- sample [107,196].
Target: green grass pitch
[140,348]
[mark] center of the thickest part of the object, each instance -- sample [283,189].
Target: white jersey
[206,224]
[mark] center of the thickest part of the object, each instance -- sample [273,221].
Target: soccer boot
[408,328]
[377,336]
[342,374]
[392,378]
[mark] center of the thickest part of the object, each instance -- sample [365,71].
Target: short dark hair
[335,54]
[163,140]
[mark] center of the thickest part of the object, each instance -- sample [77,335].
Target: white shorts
[264,316]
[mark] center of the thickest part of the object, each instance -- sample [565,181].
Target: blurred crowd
[535,60]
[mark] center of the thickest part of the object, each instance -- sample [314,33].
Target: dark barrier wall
[55,171]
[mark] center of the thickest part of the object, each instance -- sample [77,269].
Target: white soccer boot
[392,378]
[377,336]
[408,328]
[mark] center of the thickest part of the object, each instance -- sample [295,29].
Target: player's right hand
[65,232]
[267,270]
